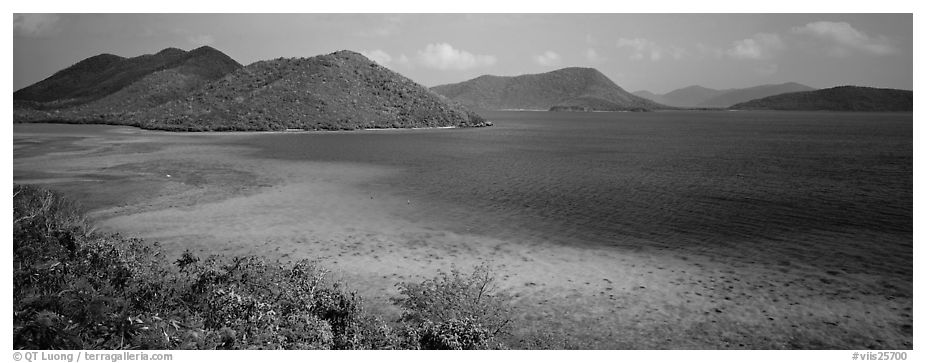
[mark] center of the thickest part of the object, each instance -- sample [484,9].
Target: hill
[691,96]
[844,98]
[734,96]
[194,70]
[99,76]
[342,90]
[697,96]
[70,82]
[567,88]
[650,96]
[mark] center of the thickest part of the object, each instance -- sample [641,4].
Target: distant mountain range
[580,89]
[650,96]
[844,98]
[691,96]
[697,96]
[206,90]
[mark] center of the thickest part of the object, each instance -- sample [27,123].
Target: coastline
[246,132]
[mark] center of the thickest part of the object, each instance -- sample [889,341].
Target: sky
[654,52]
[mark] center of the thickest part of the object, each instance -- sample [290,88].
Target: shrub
[455,334]
[74,289]
[455,311]
[77,289]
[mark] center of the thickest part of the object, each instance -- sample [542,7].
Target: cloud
[202,39]
[845,38]
[646,49]
[592,56]
[35,25]
[760,46]
[377,55]
[444,57]
[547,59]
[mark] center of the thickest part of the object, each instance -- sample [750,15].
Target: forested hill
[567,88]
[844,98]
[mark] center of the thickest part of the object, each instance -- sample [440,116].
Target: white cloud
[760,46]
[646,49]
[592,56]
[547,59]
[377,55]
[845,37]
[35,25]
[443,56]
[202,39]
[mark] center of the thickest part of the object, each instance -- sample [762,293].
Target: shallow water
[796,226]
[827,190]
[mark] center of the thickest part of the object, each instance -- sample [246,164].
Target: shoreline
[246,132]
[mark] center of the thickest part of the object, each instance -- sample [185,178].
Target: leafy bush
[455,334]
[77,289]
[74,289]
[456,311]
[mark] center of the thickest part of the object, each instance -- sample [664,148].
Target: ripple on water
[786,185]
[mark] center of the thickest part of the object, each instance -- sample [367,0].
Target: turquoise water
[832,191]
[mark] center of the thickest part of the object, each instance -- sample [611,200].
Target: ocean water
[832,191]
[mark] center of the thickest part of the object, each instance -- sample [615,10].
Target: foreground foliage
[77,289]
[456,311]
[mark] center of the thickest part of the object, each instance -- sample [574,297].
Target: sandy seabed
[200,192]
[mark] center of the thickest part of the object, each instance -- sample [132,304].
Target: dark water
[829,190]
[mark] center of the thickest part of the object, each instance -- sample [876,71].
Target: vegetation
[78,289]
[570,88]
[844,98]
[454,311]
[697,97]
[339,91]
[588,104]
[102,75]
[733,96]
